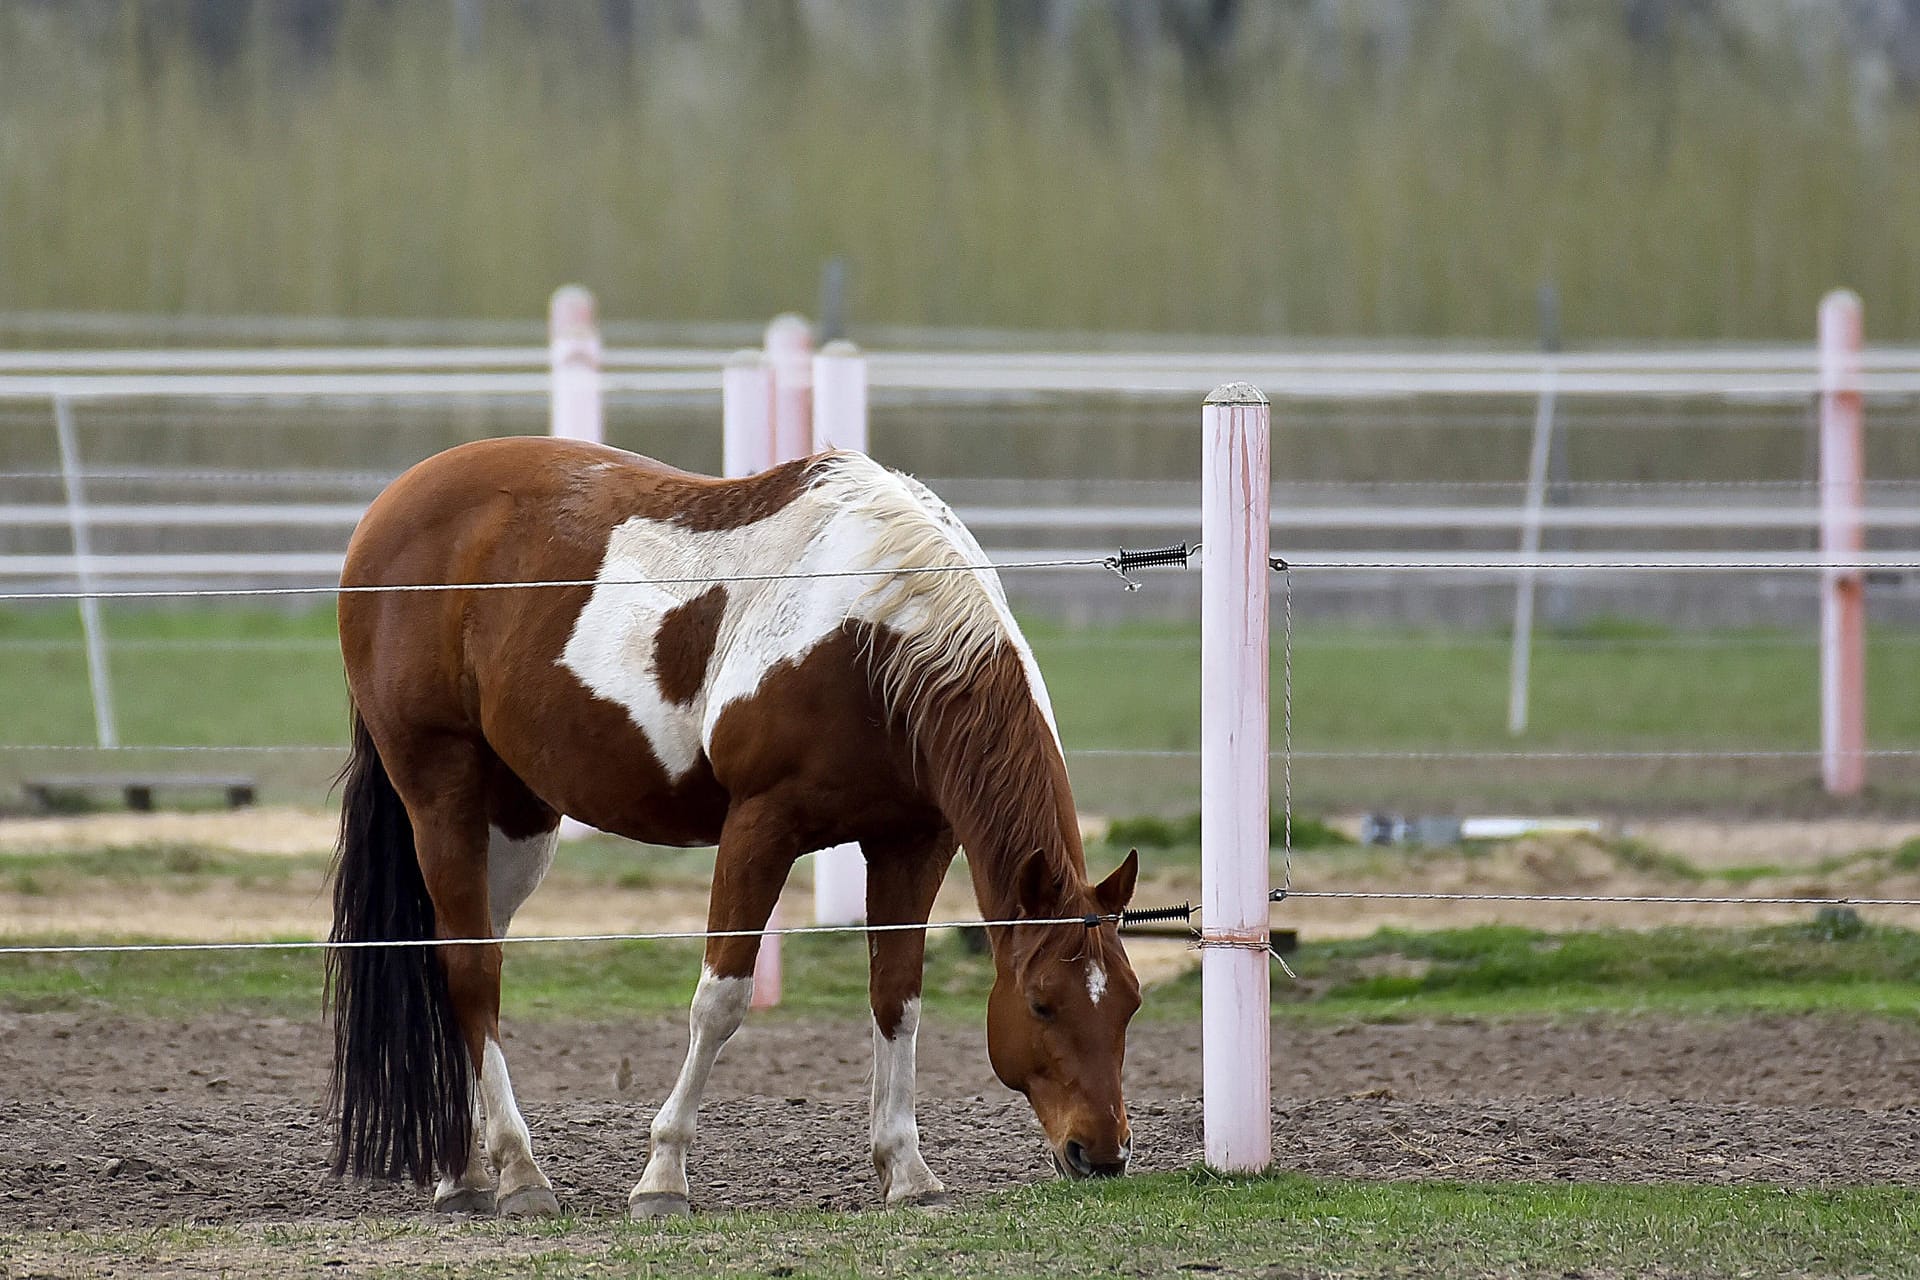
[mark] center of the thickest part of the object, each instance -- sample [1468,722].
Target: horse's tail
[402,1081]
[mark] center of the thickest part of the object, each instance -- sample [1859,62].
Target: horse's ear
[1116,891]
[1038,885]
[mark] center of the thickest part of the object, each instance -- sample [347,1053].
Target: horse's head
[1057,1020]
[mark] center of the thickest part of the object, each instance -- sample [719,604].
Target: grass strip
[1168,1224]
[1834,964]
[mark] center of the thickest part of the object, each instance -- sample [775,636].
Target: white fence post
[1520,665]
[746,447]
[573,344]
[1235,507]
[105,732]
[573,400]
[790,352]
[1843,605]
[839,422]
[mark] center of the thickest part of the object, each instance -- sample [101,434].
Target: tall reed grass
[1307,187]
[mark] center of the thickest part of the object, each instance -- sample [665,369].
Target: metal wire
[228,593]
[1614,566]
[1146,753]
[1636,898]
[671,935]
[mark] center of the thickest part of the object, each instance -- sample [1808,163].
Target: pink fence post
[746,425]
[839,422]
[573,400]
[790,352]
[1843,603]
[1235,505]
[573,344]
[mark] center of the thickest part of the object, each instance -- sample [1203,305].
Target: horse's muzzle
[1072,1161]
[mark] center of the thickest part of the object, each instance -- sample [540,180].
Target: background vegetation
[1314,167]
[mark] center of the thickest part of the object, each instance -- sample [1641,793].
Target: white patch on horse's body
[719,1007]
[855,514]
[894,1128]
[515,869]
[1096,981]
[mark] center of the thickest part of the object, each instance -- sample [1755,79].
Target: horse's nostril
[1075,1159]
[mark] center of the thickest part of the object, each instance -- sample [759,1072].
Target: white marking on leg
[515,869]
[895,1129]
[1096,981]
[719,1007]
[508,1142]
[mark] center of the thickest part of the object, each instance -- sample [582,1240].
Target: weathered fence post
[1843,606]
[746,447]
[790,352]
[573,399]
[573,346]
[99,678]
[839,422]
[1235,505]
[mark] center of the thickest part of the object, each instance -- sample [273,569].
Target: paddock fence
[1816,535]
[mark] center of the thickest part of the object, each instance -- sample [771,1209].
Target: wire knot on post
[1175,556]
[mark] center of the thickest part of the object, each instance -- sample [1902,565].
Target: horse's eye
[1041,1010]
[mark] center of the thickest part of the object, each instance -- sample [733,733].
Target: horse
[775,665]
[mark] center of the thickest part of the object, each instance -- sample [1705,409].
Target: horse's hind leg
[521,835]
[757,850]
[451,797]
[902,878]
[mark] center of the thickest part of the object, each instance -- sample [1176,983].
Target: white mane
[948,623]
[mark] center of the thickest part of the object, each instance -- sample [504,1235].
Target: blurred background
[1522,183]
[1683,169]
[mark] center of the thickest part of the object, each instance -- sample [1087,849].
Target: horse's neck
[1003,786]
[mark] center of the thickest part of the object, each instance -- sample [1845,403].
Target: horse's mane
[948,664]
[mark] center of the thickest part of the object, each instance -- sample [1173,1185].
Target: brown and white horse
[773,717]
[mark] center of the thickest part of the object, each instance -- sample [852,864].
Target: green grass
[1835,965]
[1154,1225]
[1125,686]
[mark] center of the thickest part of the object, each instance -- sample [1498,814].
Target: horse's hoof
[530,1202]
[658,1204]
[477,1201]
[941,1199]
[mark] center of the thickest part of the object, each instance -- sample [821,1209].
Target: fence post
[573,345]
[573,399]
[1235,505]
[1520,664]
[99,680]
[746,447]
[790,352]
[839,422]
[1843,606]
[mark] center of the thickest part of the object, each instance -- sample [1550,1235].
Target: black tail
[402,1080]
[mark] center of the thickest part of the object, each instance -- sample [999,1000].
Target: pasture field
[1731,1094]
[243,677]
[1485,1101]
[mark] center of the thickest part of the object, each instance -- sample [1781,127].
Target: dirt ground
[110,1121]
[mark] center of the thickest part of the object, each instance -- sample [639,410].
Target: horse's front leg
[757,850]
[902,879]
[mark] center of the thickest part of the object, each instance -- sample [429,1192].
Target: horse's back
[542,672]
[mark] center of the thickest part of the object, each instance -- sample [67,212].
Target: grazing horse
[700,691]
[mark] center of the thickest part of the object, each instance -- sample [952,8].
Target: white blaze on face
[1096,981]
